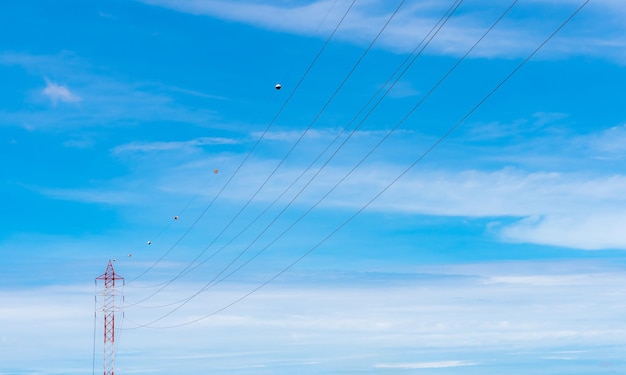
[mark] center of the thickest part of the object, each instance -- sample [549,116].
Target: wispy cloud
[194,93]
[581,210]
[610,143]
[104,100]
[350,326]
[561,209]
[590,231]
[89,195]
[513,38]
[170,146]
[293,135]
[423,365]
[106,15]
[59,93]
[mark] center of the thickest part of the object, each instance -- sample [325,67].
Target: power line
[424,43]
[402,174]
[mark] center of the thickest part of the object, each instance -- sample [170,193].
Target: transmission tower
[108,309]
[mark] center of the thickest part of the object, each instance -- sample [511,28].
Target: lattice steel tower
[109,307]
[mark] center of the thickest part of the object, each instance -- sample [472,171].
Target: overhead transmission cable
[258,141]
[189,268]
[402,174]
[415,53]
[429,37]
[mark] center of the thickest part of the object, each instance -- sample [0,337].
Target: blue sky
[501,251]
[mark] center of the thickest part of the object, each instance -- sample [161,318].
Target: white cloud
[92,195]
[59,93]
[291,136]
[106,15]
[592,231]
[513,38]
[610,144]
[111,102]
[561,209]
[506,192]
[542,280]
[418,324]
[193,93]
[576,210]
[422,365]
[404,89]
[580,210]
[304,17]
[170,146]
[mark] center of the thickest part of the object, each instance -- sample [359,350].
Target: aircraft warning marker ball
[278,86]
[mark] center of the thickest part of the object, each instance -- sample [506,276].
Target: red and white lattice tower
[109,308]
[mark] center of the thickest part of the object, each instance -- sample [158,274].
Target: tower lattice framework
[109,308]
